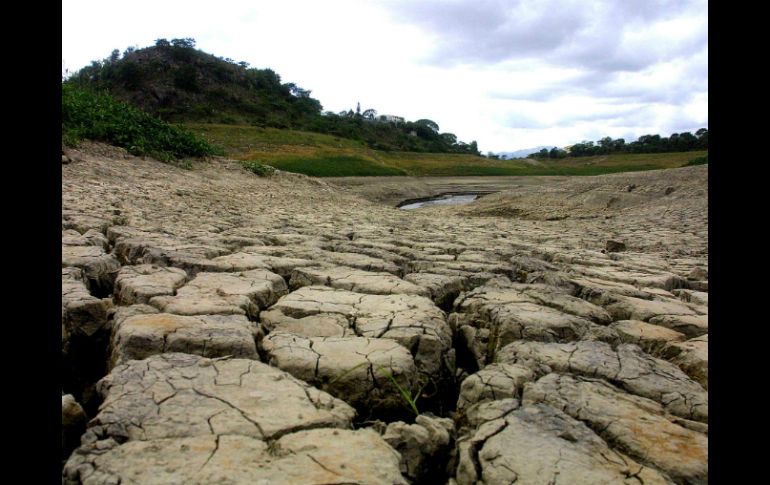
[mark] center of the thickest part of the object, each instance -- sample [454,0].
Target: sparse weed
[410,399]
[258,168]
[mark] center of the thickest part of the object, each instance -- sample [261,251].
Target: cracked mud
[218,327]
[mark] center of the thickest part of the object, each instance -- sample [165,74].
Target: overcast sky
[510,74]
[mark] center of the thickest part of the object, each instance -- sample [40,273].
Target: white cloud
[508,74]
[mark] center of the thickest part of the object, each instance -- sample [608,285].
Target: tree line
[676,142]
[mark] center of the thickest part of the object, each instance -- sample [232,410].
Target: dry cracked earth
[219,327]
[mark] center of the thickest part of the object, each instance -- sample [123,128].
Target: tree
[428,123]
[186,43]
[449,138]
[557,153]
[703,138]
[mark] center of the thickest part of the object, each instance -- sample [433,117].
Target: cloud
[607,36]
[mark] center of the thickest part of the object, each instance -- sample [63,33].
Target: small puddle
[445,199]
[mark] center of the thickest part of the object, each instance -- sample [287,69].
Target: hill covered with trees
[182,84]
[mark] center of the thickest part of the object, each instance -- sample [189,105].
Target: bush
[258,168]
[697,161]
[86,114]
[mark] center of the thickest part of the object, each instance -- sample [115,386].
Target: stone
[98,267]
[540,444]
[321,325]
[316,456]
[443,289]
[650,338]
[73,424]
[413,321]
[424,446]
[82,313]
[635,425]
[692,296]
[357,370]
[627,367]
[245,261]
[243,293]
[508,314]
[692,356]
[91,237]
[630,308]
[175,395]
[689,325]
[356,280]
[137,284]
[698,273]
[494,382]
[144,335]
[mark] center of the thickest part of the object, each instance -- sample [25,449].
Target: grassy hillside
[329,156]
[179,83]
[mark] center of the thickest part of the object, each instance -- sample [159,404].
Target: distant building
[391,119]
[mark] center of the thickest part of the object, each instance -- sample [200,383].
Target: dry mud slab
[219,327]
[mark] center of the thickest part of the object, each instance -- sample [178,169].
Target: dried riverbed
[218,327]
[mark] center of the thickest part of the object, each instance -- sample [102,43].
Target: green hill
[180,83]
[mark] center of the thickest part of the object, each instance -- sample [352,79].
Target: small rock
[73,424]
[423,446]
[698,273]
[65,159]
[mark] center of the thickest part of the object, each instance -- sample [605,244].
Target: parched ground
[219,327]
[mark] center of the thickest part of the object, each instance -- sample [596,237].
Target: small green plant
[258,168]
[410,399]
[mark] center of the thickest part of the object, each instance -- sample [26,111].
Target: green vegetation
[258,168]
[409,398]
[335,166]
[261,120]
[179,83]
[328,156]
[86,114]
[698,161]
[677,142]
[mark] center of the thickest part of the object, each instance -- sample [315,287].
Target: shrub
[87,114]
[258,168]
[697,161]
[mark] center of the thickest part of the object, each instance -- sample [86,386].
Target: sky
[509,74]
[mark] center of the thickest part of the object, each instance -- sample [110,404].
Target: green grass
[329,156]
[704,160]
[335,166]
[86,114]
[259,169]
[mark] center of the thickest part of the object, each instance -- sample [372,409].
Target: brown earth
[510,306]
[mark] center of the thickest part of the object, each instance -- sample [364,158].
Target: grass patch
[258,168]
[336,166]
[704,160]
[86,114]
[323,155]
